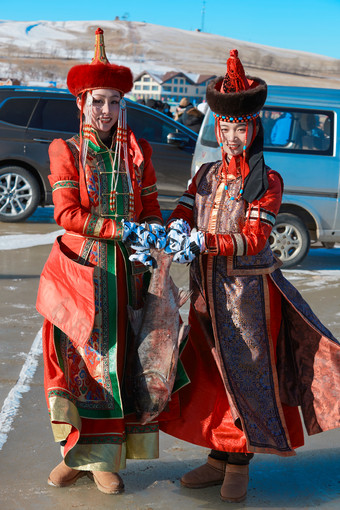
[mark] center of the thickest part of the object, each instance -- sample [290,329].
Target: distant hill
[45,50]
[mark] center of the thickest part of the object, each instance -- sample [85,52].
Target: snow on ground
[12,402]
[316,277]
[17,241]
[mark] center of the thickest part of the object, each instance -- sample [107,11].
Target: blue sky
[307,25]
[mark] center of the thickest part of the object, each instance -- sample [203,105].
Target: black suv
[30,118]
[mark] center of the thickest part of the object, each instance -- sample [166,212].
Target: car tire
[19,194]
[289,240]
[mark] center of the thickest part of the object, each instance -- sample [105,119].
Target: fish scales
[158,333]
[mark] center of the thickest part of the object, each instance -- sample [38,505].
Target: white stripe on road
[12,401]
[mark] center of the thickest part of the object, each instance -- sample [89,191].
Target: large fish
[158,333]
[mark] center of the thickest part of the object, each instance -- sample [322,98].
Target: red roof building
[171,87]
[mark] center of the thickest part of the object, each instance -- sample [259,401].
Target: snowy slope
[142,46]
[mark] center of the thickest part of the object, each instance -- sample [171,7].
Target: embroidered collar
[91,134]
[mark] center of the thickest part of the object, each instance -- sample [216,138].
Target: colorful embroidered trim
[142,429]
[98,227]
[211,250]
[149,190]
[62,394]
[103,439]
[187,200]
[265,216]
[65,184]
[117,230]
[90,225]
[240,244]
[243,118]
[75,142]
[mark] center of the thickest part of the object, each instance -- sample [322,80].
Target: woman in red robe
[256,351]
[100,179]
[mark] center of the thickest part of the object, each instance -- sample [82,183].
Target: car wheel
[289,239]
[19,194]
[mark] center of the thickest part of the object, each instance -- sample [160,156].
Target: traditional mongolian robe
[85,288]
[256,352]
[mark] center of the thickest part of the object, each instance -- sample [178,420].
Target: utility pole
[203,14]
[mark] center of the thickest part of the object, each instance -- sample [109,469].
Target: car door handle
[43,140]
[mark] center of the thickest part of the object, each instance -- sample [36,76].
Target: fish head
[151,396]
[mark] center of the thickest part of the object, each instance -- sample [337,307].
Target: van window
[17,110]
[297,130]
[56,115]
[288,130]
[208,133]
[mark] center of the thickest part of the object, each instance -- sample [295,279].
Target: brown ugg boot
[109,483]
[211,473]
[234,487]
[63,476]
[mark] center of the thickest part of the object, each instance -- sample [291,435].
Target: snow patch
[15,242]
[12,402]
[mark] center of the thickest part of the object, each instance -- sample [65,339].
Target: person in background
[183,105]
[104,185]
[256,352]
[157,104]
[281,130]
[192,118]
[166,110]
[188,115]
[152,103]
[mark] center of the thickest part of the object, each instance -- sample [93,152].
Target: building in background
[171,87]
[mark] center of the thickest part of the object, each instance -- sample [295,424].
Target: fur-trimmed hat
[236,97]
[99,74]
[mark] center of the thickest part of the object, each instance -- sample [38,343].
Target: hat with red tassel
[239,98]
[236,97]
[99,74]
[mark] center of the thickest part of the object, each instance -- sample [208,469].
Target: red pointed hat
[99,74]
[236,97]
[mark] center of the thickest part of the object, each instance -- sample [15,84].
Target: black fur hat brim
[236,104]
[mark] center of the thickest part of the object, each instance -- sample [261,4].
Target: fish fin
[135,318]
[183,333]
[181,295]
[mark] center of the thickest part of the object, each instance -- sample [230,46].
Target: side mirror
[178,139]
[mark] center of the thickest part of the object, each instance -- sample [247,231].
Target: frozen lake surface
[308,480]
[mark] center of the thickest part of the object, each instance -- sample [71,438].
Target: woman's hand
[185,247]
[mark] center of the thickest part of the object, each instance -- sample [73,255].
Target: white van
[301,142]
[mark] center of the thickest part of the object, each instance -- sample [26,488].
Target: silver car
[302,143]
